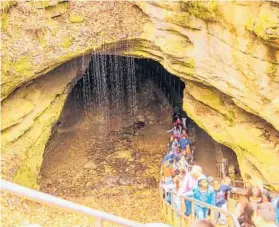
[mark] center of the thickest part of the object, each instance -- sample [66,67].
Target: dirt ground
[100,163]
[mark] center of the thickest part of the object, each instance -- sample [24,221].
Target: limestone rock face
[226,52]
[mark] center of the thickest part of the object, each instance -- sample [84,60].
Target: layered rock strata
[227,53]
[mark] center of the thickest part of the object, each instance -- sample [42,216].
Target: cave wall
[226,52]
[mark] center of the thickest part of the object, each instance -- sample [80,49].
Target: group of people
[180,178]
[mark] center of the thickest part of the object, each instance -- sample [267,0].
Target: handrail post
[99,222]
[195,203]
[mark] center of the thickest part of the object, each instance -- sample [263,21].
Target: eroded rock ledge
[226,52]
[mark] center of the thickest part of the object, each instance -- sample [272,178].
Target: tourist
[261,208]
[175,167]
[203,223]
[256,182]
[176,152]
[177,122]
[176,197]
[189,154]
[176,131]
[175,143]
[183,164]
[189,182]
[183,142]
[184,133]
[228,181]
[167,170]
[168,156]
[168,186]
[243,212]
[204,193]
[277,210]
[171,187]
[182,174]
[220,191]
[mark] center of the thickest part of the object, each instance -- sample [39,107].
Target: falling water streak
[120,62]
[104,87]
[112,88]
[131,87]
[118,87]
[97,76]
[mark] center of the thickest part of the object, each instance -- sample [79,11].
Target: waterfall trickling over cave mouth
[99,115]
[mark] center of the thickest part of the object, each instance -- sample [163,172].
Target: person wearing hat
[204,193]
[189,182]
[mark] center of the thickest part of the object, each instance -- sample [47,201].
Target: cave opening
[99,157]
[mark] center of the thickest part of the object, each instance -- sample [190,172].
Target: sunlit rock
[226,52]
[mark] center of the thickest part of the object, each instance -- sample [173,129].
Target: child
[220,191]
[204,193]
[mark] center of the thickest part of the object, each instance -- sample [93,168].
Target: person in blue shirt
[220,191]
[204,193]
[183,142]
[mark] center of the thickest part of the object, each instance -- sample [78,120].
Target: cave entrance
[97,156]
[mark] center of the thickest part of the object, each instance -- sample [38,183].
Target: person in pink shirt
[189,182]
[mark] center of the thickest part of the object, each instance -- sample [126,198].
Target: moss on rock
[23,66]
[57,10]
[67,42]
[6,5]
[208,10]
[74,18]
[266,26]
[271,70]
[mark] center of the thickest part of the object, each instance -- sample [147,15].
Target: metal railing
[49,200]
[173,211]
[245,184]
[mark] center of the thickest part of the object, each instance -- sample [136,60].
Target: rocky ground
[100,163]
